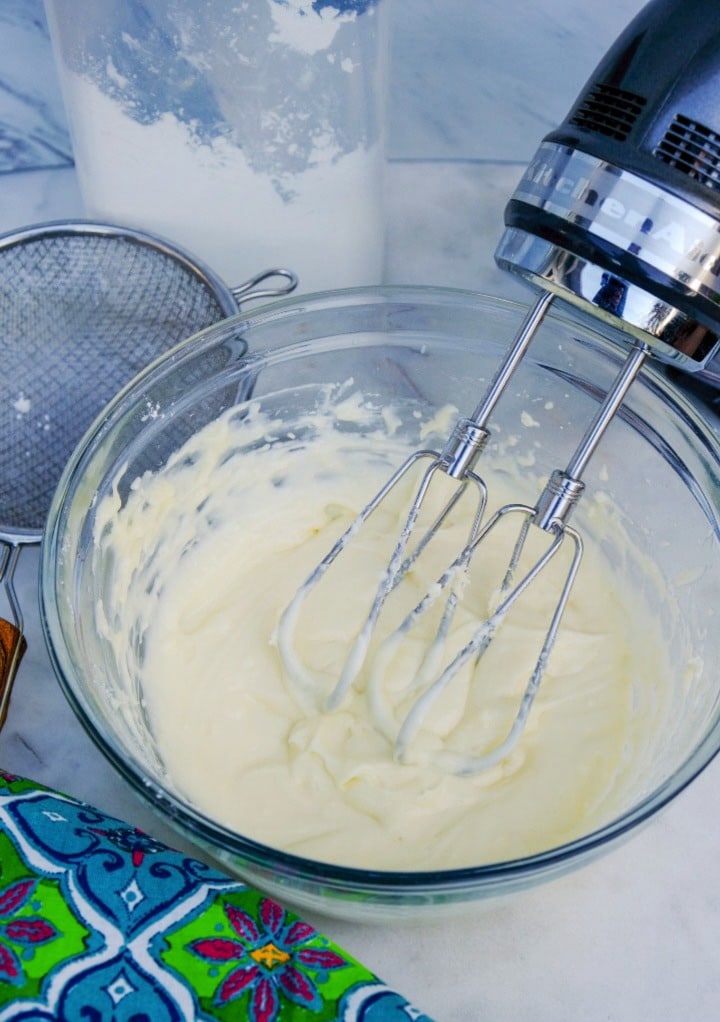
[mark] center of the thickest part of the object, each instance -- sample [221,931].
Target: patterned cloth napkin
[99,922]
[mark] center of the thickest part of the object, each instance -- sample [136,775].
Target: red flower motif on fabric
[276,961]
[26,931]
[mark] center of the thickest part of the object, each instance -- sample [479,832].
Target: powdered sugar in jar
[250,133]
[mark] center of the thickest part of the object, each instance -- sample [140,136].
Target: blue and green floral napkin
[101,923]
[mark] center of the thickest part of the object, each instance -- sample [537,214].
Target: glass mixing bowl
[660,462]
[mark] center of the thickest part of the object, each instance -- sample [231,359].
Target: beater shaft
[455,456]
[563,489]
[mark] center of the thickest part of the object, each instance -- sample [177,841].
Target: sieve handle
[12,647]
[247,292]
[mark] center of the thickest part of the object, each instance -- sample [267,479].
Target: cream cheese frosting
[202,558]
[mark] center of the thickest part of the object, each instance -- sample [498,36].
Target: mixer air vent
[693,149]
[608,111]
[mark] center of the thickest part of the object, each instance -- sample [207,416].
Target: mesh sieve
[84,307]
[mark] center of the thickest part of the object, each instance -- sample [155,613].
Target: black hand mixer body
[619,211]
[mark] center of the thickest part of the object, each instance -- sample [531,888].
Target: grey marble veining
[33,132]
[484,80]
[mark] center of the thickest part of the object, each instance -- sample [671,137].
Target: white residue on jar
[243,219]
[302,28]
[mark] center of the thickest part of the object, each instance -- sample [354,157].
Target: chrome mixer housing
[619,210]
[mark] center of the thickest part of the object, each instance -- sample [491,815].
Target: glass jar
[252,133]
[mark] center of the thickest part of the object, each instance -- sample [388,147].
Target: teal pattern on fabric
[100,922]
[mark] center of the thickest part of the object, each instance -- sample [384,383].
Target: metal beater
[619,214]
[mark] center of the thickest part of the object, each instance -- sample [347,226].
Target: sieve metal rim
[54,228]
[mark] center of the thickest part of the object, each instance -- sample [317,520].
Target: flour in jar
[256,140]
[203,557]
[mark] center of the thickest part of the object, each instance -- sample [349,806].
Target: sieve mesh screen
[80,314]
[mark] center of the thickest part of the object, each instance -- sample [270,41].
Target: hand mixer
[619,214]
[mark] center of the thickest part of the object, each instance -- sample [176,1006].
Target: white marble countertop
[634,936]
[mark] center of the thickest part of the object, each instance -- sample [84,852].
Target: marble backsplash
[33,132]
[470,80]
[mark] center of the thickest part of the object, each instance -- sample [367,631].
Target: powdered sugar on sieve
[22,405]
